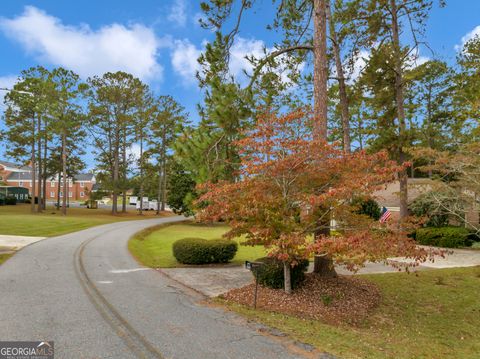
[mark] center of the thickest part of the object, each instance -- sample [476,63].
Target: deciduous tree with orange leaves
[289,180]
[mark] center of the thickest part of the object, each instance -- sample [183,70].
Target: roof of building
[27,176]
[84,177]
[15,166]
[389,196]
[18,176]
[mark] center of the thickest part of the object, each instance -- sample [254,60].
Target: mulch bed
[344,299]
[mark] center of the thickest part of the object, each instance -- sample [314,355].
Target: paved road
[85,292]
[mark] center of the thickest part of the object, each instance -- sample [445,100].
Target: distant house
[79,187]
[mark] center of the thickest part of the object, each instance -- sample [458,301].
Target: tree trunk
[323,265]
[287,278]
[116,159]
[160,186]
[124,174]
[164,185]
[320,79]
[65,176]
[430,135]
[34,169]
[45,149]
[400,102]
[342,88]
[40,170]
[59,188]
[141,175]
[360,131]
[320,69]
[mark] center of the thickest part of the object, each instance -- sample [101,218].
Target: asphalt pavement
[86,293]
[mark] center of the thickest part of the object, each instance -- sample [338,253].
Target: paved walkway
[14,243]
[85,292]
[213,281]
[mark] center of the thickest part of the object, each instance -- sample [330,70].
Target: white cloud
[242,48]
[358,66]
[361,61]
[178,14]
[417,61]
[184,60]
[468,36]
[89,52]
[133,152]
[6,82]
[185,55]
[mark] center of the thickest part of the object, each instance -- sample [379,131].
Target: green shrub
[202,251]
[10,201]
[474,236]
[438,207]
[448,237]
[368,207]
[270,274]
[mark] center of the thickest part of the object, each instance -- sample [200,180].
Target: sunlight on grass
[433,315]
[17,220]
[153,248]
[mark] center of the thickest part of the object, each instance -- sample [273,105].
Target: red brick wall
[75,189]
[52,191]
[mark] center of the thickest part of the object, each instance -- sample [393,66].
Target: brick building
[79,187]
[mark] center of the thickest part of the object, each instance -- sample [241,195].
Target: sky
[160,40]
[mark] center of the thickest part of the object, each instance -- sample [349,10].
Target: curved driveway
[85,292]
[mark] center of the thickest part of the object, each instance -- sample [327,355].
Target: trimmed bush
[448,237]
[368,207]
[10,201]
[270,274]
[202,251]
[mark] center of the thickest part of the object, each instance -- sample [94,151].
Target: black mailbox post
[253,267]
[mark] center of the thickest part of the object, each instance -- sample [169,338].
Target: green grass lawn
[153,247]
[17,220]
[433,315]
[476,245]
[4,257]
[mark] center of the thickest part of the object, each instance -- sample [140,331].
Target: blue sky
[159,41]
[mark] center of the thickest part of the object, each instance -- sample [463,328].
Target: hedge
[270,274]
[10,201]
[202,251]
[448,237]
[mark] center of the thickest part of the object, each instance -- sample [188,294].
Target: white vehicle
[144,204]
[152,205]
[133,200]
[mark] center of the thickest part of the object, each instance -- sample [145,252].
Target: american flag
[385,215]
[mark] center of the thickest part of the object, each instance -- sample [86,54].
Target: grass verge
[434,314]
[153,246]
[4,257]
[17,220]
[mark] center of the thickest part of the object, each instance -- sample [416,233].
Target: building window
[82,184]
[52,184]
[52,194]
[61,194]
[82,194]
[70,194]
[20,184]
